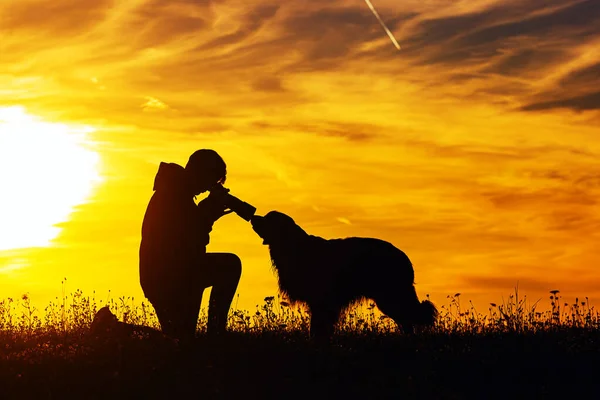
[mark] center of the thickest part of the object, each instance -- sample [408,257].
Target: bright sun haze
[47,170]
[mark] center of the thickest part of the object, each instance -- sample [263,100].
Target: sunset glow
[474,149]
[47,170]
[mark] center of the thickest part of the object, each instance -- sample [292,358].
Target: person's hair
[208,161]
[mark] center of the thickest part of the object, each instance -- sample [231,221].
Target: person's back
[174,234]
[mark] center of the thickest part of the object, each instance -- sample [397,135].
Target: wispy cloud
[152,104]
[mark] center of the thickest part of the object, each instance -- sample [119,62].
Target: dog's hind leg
[323,319]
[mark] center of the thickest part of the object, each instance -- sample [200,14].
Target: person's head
[205,168]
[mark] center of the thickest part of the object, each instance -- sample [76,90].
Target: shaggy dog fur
[330,275]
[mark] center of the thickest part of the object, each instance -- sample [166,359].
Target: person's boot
[104,322]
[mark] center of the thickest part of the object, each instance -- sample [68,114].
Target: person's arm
[211,209]
[208,211]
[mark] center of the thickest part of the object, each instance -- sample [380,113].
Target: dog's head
[276,227]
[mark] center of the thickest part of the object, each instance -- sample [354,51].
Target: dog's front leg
[323,319]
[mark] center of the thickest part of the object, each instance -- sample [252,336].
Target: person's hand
[213,207]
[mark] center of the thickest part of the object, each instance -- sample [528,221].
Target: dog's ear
[289,227]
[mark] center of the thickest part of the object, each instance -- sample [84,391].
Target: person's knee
[224,269]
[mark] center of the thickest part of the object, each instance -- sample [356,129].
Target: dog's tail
[427,313]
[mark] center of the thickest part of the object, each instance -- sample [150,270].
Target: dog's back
[347,269]
[365,266]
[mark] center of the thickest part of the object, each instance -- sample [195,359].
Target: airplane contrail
[389,33]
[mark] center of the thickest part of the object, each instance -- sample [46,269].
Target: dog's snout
[256,219]
[257,222]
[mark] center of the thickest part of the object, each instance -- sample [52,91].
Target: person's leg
[222,271]
[177,312]
[105,323]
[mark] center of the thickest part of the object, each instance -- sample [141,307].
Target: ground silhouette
[510,353]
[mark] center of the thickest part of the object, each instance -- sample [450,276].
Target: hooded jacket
[175,233]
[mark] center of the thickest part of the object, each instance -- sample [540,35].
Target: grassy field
[510,351]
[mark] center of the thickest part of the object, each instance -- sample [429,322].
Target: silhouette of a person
[174,265]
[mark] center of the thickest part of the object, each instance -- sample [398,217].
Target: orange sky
[474,149]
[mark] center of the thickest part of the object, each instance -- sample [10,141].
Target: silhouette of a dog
[329,275]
